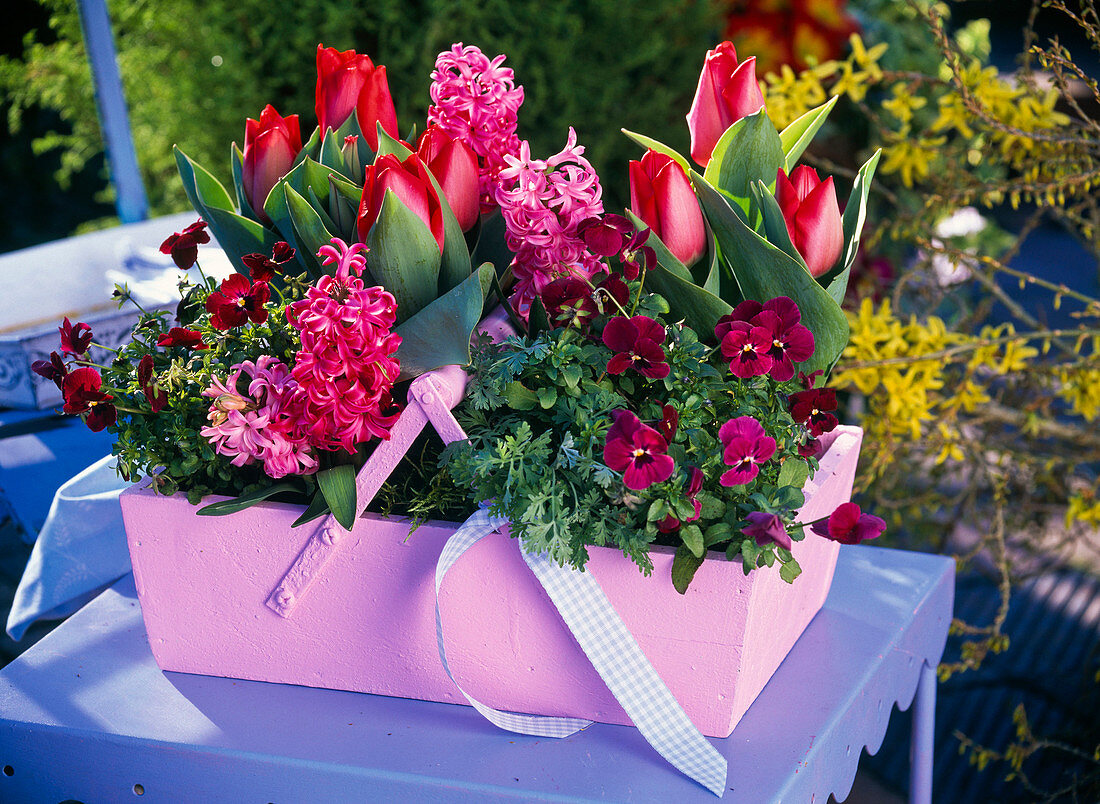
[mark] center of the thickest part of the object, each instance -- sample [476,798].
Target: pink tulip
[661,195]
[270,147]
[727,92]
[812,216]
[349,82]
[454,166]
[410,183]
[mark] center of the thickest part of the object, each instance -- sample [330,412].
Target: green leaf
[404,257]
[700,308]
[693,540]
[801,132]
[763,272]
[684,566]
[548,397]
[311,149]
[236,159]
[317,507]
[710,507]
[203,190]
[537,318]
[318,206]
[332,156]
[223,507]
[439,335]
[790,497]
[717,533]
[750,150]
[389,145]
[794,472]
[855,213]
[789,570]
[775,226]
[277,209]
[665,257]
[337,484]
[308,226]
[239,236]
[520,397]
[659,147]
[455,264]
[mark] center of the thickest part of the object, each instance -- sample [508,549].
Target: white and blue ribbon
[612,650]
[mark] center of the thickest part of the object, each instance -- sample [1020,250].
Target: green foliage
[192,71]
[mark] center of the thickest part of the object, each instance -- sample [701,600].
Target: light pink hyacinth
[475,99]
[543,203]
[346,367]
[264,425]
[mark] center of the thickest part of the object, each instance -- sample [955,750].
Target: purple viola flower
[747,348]
[637,344]
[745,447]
[636,450]
[812,408]
[849,525]
[766,528]
[791,341]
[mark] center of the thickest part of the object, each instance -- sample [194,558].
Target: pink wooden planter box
[367,623]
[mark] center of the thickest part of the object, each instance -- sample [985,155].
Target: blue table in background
[86,714]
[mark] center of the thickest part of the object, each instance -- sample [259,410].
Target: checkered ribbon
[612,650]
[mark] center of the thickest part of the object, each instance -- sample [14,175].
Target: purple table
[86,714]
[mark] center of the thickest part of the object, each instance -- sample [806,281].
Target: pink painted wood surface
[368,623]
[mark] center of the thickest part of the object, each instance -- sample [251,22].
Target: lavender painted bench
[86,714]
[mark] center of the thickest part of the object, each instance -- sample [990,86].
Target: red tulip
[349,82]
[454,166]
[270,147]
[727,92]
[661,195]
[410,182]
[812,215]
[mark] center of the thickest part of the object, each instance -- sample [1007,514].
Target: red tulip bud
[349,82]
[661,195]
[813,217]
[727,92]
[454,166]
[410,183]
[270,147]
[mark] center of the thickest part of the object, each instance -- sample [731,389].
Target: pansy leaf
[223,507]
[684,566]
[763,272]
[775,226]
[236,159]
[801,132]
[404,257]
[239,236]
[439,335]
[337,484]
[793,472]
[203,190]
[789,570]
[659,147]
[748,150]
[693,539]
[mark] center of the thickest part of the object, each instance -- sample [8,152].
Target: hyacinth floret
[346,366]
[544,202]
[475,99]
[263,424]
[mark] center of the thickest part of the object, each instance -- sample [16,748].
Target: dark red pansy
[766,529]
[612,294]
[669,524]
[237,301]
[52,369]
[807,382]
[810,449]
[156,396]
[181,336]
[791,341]
[747,348]
[184,246]
[75,340]
[82,394]
[745,446]
[604,236]
[637,344]
[670,420]
[263,268]
[568,302]
[849,525]
[637,256]
[742,313]
[812,408]
[636,450]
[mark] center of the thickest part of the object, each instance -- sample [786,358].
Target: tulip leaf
[404,256]
[203,190]
[236,159]
[763,272]
[311,149]
[322,213]
[337,484]
[775,225]
[684,566]
[389,145]
[855,212]
[439,335]
[351,129]
[664,256]
[659,147]
[801,132]
[238,236]
[699,308]
[277,209]
[223,507]
[455,264]
[748,150]
[492,245]
[332,157]
[317,507]
[342,214]
[308,226]
[712,283]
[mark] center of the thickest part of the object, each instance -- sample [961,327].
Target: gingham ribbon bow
[612,650]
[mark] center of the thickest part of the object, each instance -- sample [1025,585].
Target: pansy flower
[155,395]
[52,369]
[81,390]
[693,487]
[612,294]
[789,342]
[237,301]
[605,235]
[636,450]
[75,340]
[568,302]
[637,344]
[812,409]
[637,256]
[849,525]
[747,348]
[184,246]
[745,447]
[766,529]
[670,421]
[263,268]
[181,336]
